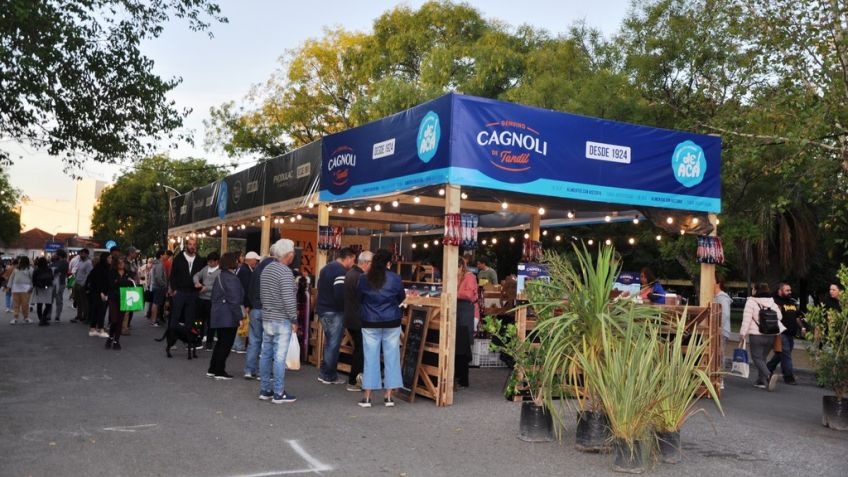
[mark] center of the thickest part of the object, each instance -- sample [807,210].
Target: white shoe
[27,321]
[102,334]
[14,322]
[8,310]
[92,332]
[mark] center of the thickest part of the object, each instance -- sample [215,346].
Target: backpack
[43,278]
[768,322]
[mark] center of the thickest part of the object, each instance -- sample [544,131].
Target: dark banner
[292,175]
[181,207]
[242,191]
[203,205]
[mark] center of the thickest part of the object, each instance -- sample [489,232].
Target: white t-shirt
[190,260]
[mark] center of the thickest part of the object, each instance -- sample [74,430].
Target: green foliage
[526,370]
[10,219]
[829,348]
[134,210]
[75,82]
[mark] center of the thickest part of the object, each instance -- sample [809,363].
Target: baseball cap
[252,256]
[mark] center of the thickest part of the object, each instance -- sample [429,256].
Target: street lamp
[159,184]
[170,191]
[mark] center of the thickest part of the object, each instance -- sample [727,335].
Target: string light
[395,203]
[557,238]
[631,240]
[417,199]
[230,228]
[351,211]
[414,246]
[310,205]
[368,209]
[607,218]
[426,245]
[494,240]
[669,220]
[463,195]
[526,236]
[512,240]
[218,227]
[659,237]
[682,232]
[717,221]
[541,211]
[545,233]
[636,221]
[262,218]
[243,226]
[608,242]
[570,214]
[483,242]
[435,242]
[504,205]
[298,216]
[378,207]
[441,192]
[291,219]
[329,208]
[590,242]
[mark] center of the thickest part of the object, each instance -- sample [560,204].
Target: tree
[134,210]
[10,219]
[74,82]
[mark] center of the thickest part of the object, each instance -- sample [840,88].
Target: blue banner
[491,144]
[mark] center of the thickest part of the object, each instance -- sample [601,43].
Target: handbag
[740,361]
[244,327]
[72,280]
[293,353]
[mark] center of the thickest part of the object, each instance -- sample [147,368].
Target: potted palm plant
[829,352]
[573,310]
[624,378]
[679,386]
[536,423]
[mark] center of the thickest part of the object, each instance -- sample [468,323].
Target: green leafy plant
[680,378]
[526,371]
[829,348]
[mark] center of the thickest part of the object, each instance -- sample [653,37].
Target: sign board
[628,283]
[413,350]
[293,175]
[51,246]
[528,272]
[109,244]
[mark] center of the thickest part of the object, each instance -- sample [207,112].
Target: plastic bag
[293,354]
[244,327]
[740,362]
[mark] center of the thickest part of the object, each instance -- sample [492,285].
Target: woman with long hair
[119,278]
[759,343]
[381,293]
[652,290]
[20,282]
[97,285]
[42,285]
[227,297]
[466,309]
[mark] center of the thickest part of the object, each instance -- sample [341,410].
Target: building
[32,244]
[63,216]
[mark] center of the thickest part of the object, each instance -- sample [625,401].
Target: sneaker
[283,398]
[240,351]
[27,321]
[359,380]
[388,402]
[116,345]
[108,343]
[327,381]
[14,321]
[772,382]
[43,323]
[266,395]
[761,386]
[74,320]
[210,375]
[365,402]
[103,334]
[223,377]
[56,319]
[353,388]
[791,381]
[92,332]
[8,310]
[250,377]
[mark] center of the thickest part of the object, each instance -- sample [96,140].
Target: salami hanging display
[532,251]
[461,230]
[329,237]
[710,250]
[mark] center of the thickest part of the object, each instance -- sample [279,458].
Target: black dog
[189,336]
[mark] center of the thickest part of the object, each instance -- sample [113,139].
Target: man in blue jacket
[330,309]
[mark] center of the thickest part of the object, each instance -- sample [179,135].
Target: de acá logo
[429,133]
[222,200]
[689,164]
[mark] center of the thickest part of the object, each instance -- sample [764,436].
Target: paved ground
[68,407]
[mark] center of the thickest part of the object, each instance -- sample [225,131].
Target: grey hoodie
[207,279]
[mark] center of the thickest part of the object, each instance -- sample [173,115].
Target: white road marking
[315,466]
[129,428]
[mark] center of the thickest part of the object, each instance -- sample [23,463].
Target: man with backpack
[791,320]
[760,324]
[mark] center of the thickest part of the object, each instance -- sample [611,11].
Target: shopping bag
[293,354]
[132,298]
[740,362]
[70,283]
[244,327]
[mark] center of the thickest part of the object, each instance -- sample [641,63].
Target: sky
[246,50]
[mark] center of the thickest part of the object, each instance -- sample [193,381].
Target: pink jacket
[751,315]
[468,291]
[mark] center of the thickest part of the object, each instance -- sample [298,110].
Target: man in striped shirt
[279,317]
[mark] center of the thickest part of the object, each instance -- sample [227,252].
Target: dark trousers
[116,320]
[96,311]
[226,337]
[204,312]
[183,309]
[82,301]
[358,360]
[784,358]
[43,312]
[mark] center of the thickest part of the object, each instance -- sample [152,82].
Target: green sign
[132,299]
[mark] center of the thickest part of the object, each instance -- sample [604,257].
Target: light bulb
[441,192]
[463,196]
[512,240]
[682,232]
[435,242]
[351,211]
[504,205]
[608,242]
[291,219]
[590,242]
[541,211]
[526,236]
[298,216]
[636,221]
[607,218]
[695,220]
[483,242]
[494,241]
[230,228]
[570,214]
[417,199]
[545,233]
[310,205]
[329,208]
[557,238]
[262,218]
[659,237]
[669,220]
[395,203]
[414,246]
[378,207]
[426,245]
[368,209]
[631,240]
[218,227]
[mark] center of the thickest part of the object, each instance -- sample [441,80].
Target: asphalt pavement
[69,407]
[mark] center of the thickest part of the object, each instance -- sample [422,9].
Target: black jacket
[116,282]
[789,314]
[253,289]
[352,303]
[244,272]
[181,276]
[98,280]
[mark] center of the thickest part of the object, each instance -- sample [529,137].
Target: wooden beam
[265,241]
[321,255]
[389,217]
[706,293]
[225,234]
[493,206]
[535,226]
[447,322]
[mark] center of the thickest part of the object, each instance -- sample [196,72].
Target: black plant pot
[835,413]
[536,423]
[592,432]
[627,459]
[669,445]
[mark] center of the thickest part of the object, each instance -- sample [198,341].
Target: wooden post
[447,322]
[707,294]
[535,227]
[265,242]
[321,255]
[224,237]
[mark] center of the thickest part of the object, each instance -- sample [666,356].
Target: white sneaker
[102,334]
[93,332]
[14,322]
[8,310]
[27,321]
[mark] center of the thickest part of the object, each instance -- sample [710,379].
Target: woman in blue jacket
[227,297]
[381,293]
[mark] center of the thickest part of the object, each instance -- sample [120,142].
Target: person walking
[279,317]
[353,320]
[226,297]
[158,289]
[254,333]
[82,269]
[759,343]
[97,285]
[244,273]
[60,280]
[7,274]
[133,271]
[466,311]
[183,290]
[119,277]
[203,282]
[20,282]
[42,285]
[330,309]
[723,299]
[789,310]
[381,293]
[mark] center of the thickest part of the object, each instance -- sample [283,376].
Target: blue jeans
[333,323]
[275,345]
[787,342]
[9,299]
[254,343]
[372,340]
